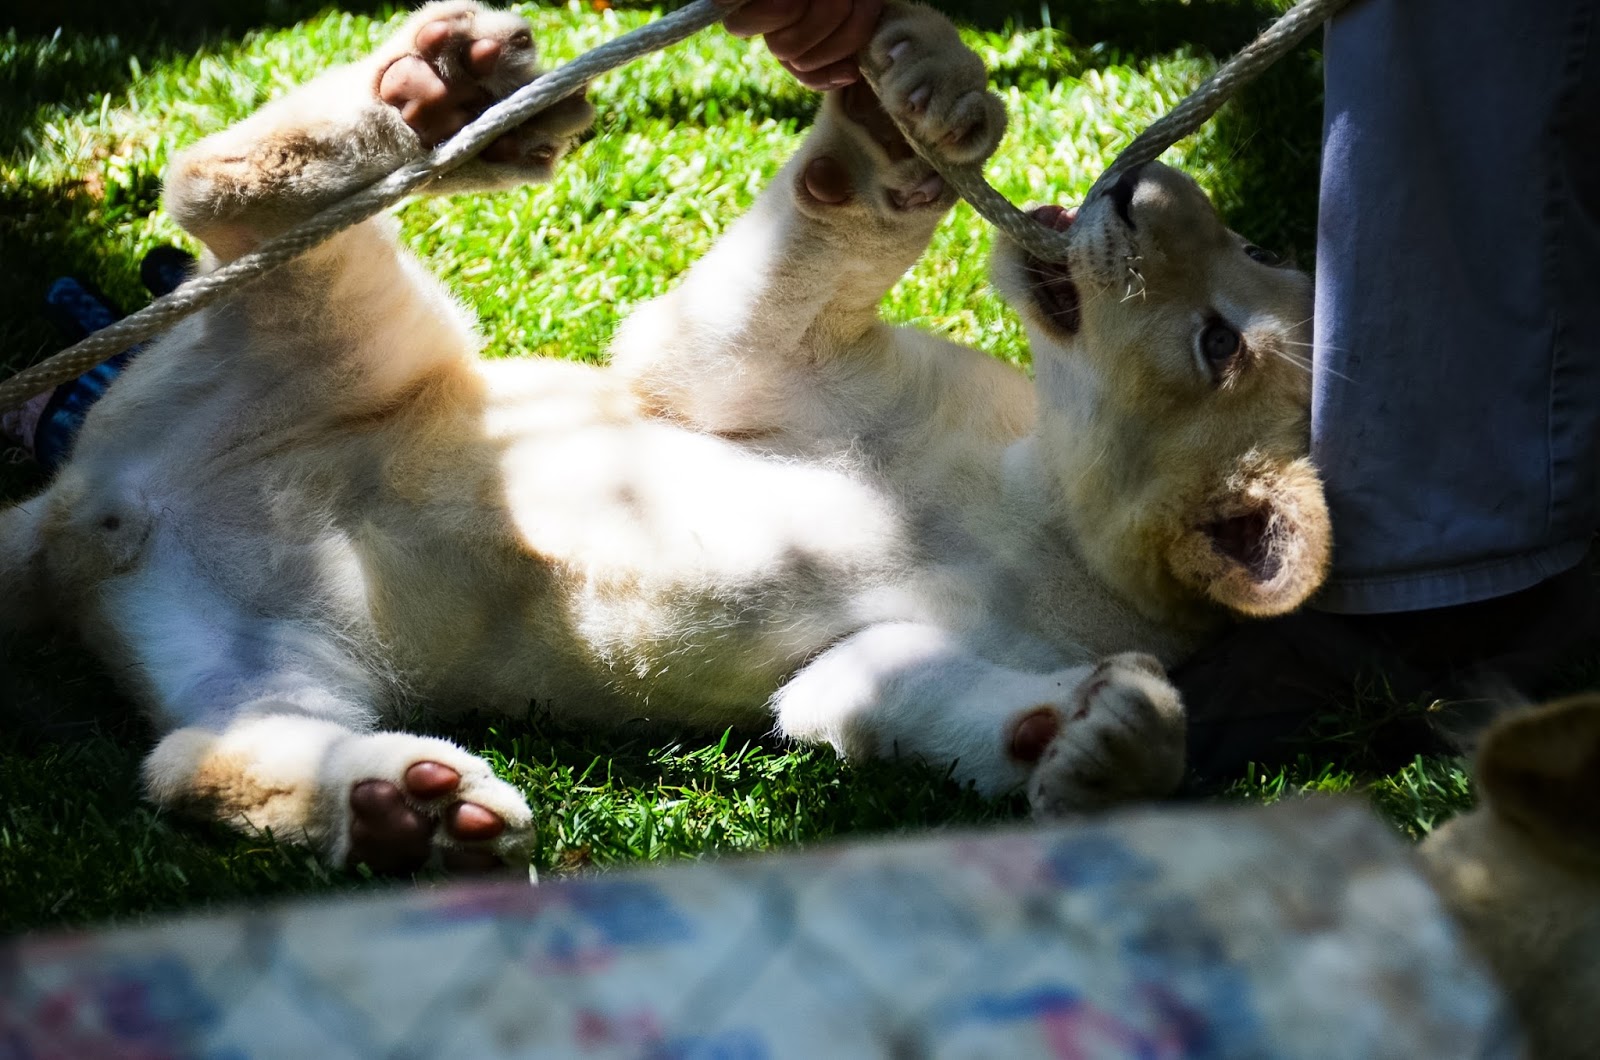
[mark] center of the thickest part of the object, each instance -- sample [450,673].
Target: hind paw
[455,61]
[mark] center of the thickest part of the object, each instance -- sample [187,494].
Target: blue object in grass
[79,309]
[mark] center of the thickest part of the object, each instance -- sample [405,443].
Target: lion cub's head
[1174,387]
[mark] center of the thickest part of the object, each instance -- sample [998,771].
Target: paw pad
[456,66]
[1119,737]
[392,835]
[1034,733]
[827,180]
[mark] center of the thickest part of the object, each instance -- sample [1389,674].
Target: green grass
[91,114]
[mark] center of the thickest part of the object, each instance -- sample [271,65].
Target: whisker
[1293,362]
[1314,345]
[1311,367]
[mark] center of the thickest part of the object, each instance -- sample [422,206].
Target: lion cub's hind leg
[356,123]
[355,324]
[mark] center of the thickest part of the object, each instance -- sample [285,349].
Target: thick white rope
[555,86]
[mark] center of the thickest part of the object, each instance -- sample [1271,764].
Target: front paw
[934,85]
[405,802]
[930,83]
[1120,737]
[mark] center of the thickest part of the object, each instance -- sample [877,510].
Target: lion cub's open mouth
[1051,283]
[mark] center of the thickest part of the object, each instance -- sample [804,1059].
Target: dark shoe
[1380,688]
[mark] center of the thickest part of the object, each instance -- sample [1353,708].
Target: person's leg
[1456,409]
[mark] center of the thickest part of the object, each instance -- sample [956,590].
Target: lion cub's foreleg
[271,724]
[393,801]
[798,279]
[356,123]
[1078,738]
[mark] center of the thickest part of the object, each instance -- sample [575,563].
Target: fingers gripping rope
[555,86]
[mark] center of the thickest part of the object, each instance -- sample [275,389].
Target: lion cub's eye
[1265,257]
[1218,344]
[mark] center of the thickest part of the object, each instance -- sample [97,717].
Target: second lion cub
[314,509]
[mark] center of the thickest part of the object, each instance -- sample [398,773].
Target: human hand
[815,40]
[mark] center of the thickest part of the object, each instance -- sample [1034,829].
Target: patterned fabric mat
[1300,930]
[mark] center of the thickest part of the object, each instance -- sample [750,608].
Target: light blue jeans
[1456,407]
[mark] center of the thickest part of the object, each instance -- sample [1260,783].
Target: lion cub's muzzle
[1098,255]
[1050,283]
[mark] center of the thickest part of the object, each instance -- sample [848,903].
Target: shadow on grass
[64,56]
[62,53]
[79,845]
[1271,138]
[173,20]
[1133,27]
[47,232]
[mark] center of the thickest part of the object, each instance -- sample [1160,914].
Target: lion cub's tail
[22,597]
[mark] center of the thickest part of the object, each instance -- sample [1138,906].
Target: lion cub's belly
[657,563]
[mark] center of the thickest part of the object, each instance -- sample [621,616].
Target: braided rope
[968,181]
[1047,244]
[504,116]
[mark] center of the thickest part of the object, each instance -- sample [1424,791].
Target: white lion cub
[314,508]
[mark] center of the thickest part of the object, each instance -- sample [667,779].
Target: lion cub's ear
[1539,771]
[1260,546]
